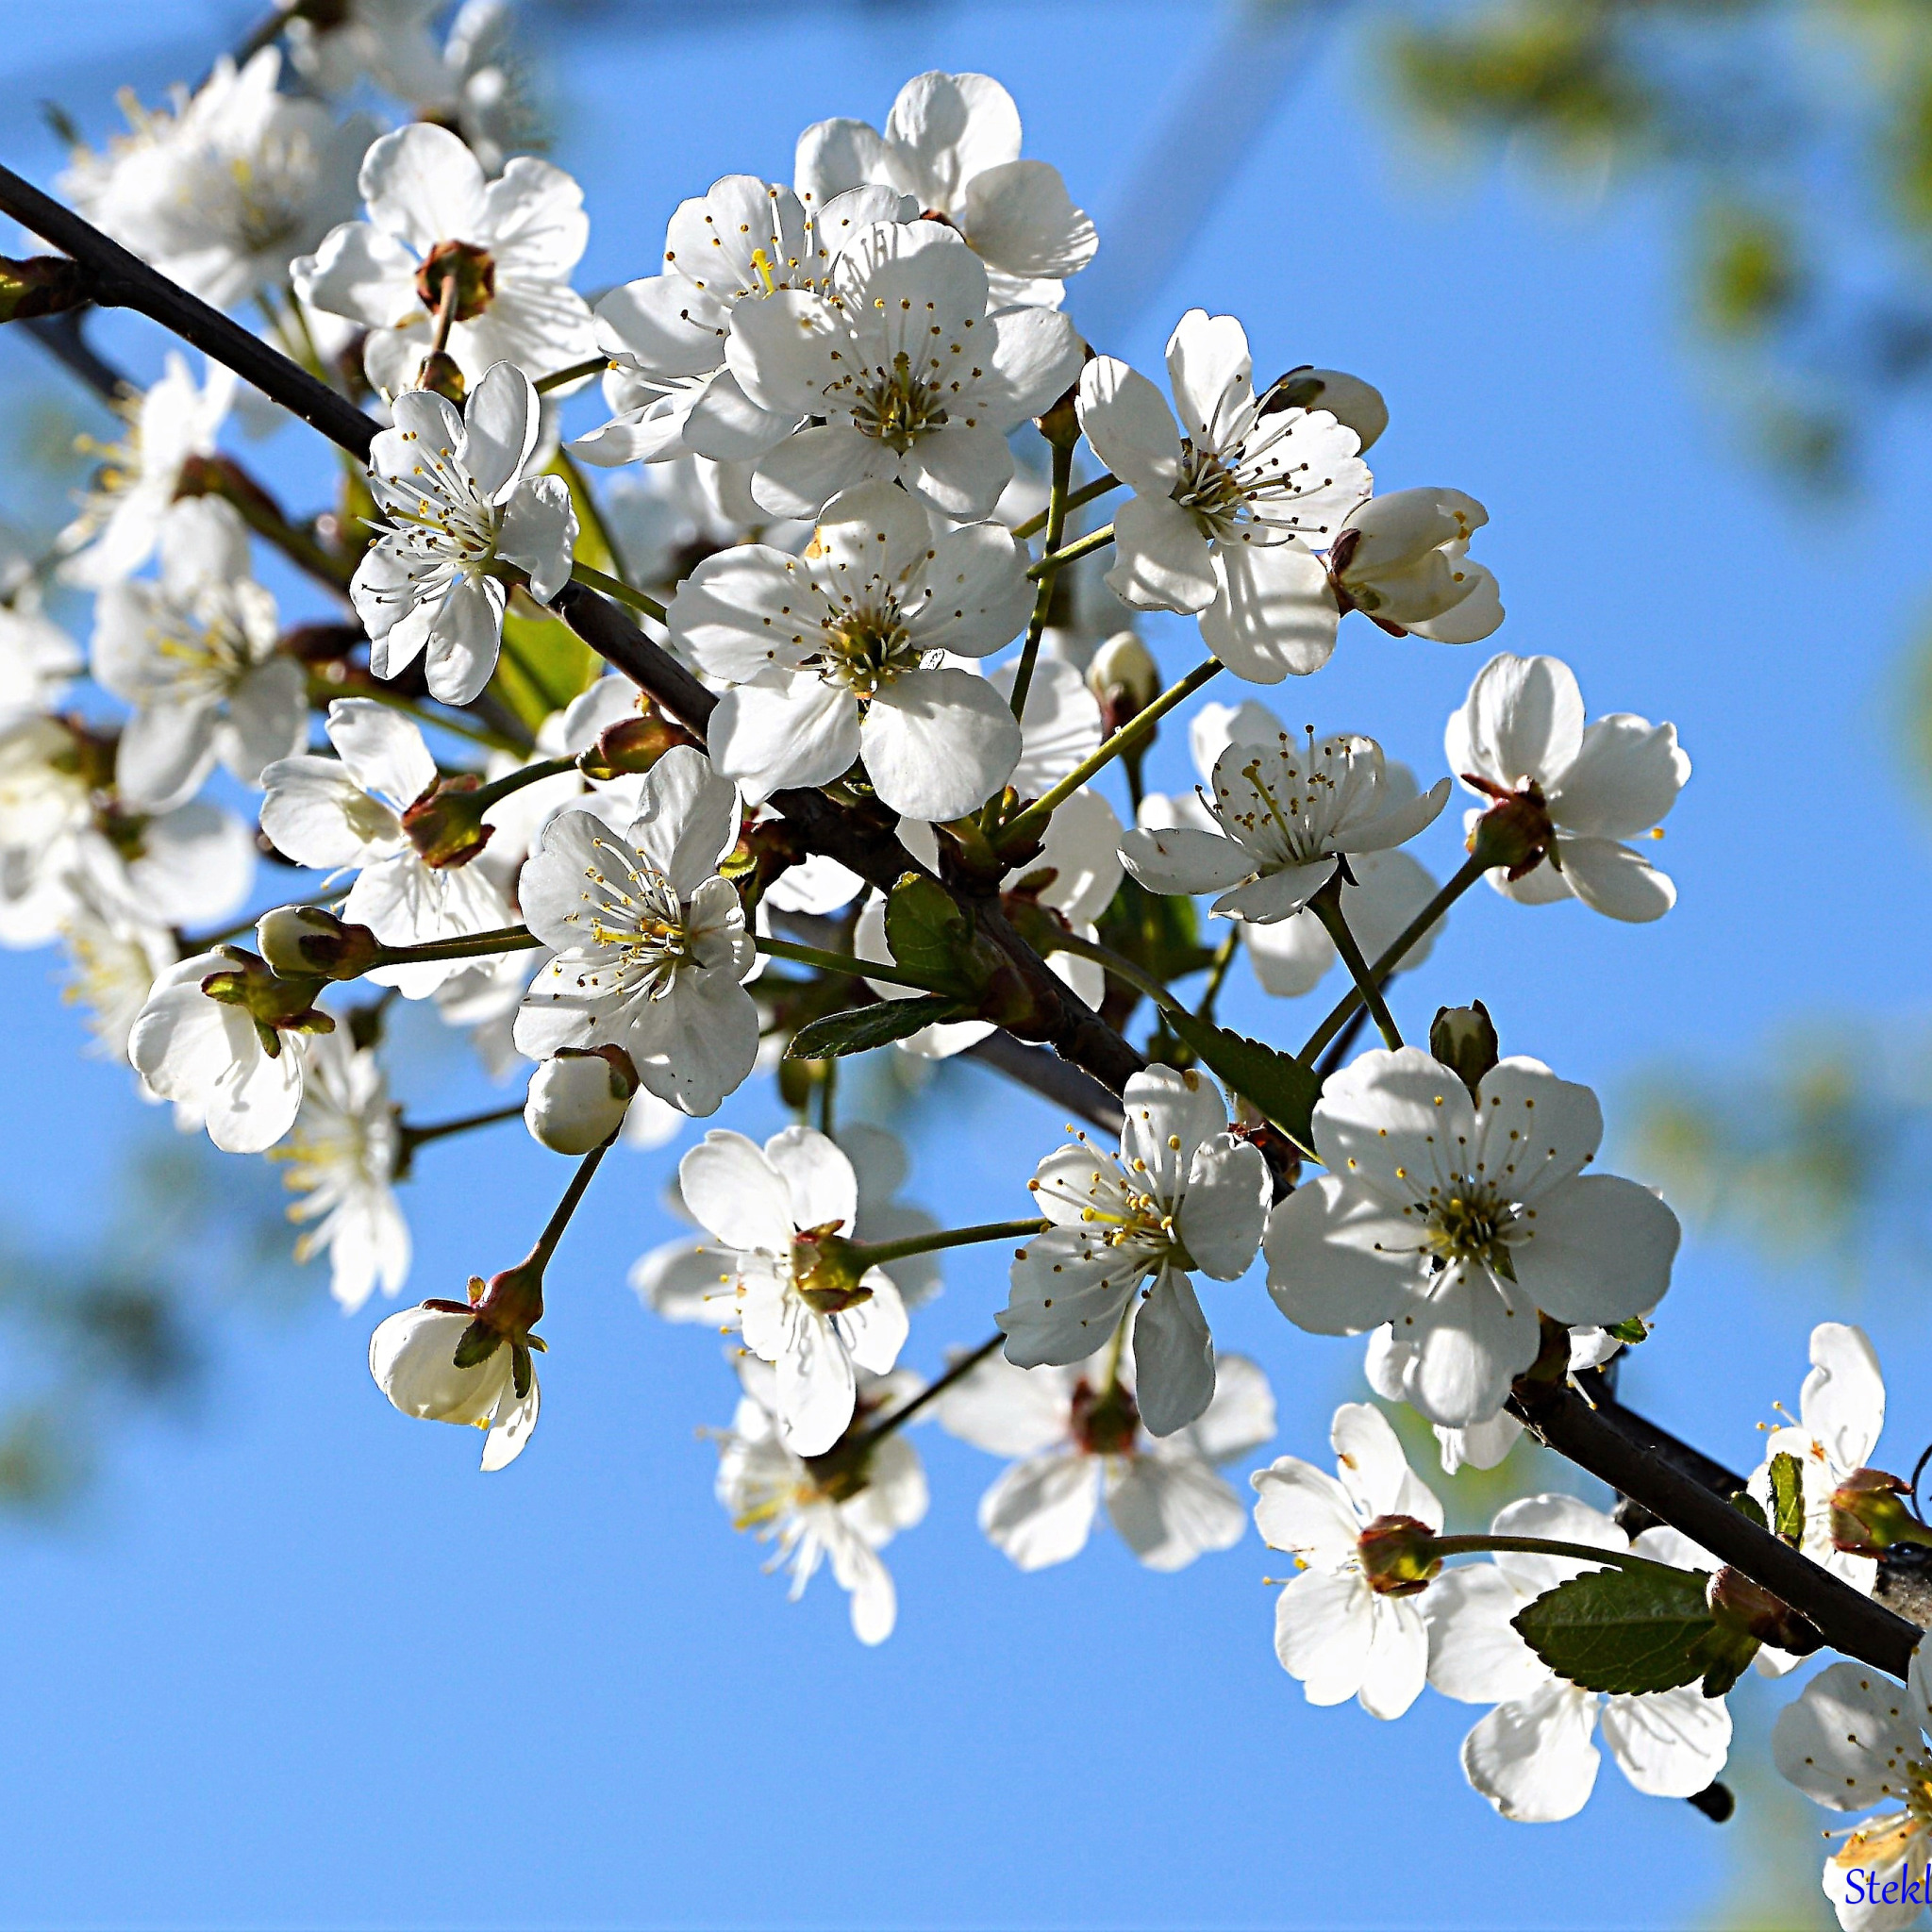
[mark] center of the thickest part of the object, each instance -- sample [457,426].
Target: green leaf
[866,1027]
[477,1343]
[1279,1084]
[1745,1504]
[1159,935]
[1788,1497]
[544,666]
[1631,1331]
[928,930]
[1623,1631]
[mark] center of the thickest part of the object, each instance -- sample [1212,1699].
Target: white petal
[1173,1355]
[1534,1761]
[939,744]
[1041,1511]
[1672,1744]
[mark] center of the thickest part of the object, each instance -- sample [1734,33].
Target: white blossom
[651,943]
[1077,1438]
[39,661]
[952,144]
[578,1101]
[1856,1738]
[341,1157]
[511,244]
[222,193]
[120,517]
[457,505]
[242,1078]
[1183,1194]
[769,1211]
[1286,817]
[1334,1630]
[839,655]
[767,1486]
[1458,1222]
[913,379]
[346,814]
[113,961]
[1227,510]
[413,1357]
[389,40]
[1532,1756]
[669,388]
[196,655]
[1522,732]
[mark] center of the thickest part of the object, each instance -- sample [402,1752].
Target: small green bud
[826,1270]
[1464,1038]
[1398,1554]
[1867,1517]
[1749,1610]
[446,825]
[633,745]
[442,375]
[1125,678]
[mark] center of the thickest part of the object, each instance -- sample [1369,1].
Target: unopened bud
[442,375]
[1867,1516]
[42,285]
[1464,1038]
[1751,1610]
[1398,1554]
[446,825]
[578,1100]
[633,745]
[1123,677]
[1060,425]
[306,940]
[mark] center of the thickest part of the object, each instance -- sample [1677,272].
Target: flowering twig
[475,945]
[876,1254]
[415,1137]
[560,378]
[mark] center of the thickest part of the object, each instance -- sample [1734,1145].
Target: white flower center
[914,375]
[1468,1220]
[1119,1214]
[198,653]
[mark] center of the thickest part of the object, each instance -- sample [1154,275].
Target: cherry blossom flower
[1228,509]
[771,1211]
[1522,735]
[689,1280]
[951,144]
[1458,1223]
[240,1075]
[39,661]
[1286,817]
[1840,1412]
[196,655]
[509,245]
[458,507]
[341,1157]
[839,655]
[914,380]
[1856,1738]
[223,192]
[1183,1194]
[348,813]
[669,387]
[767,1486]
[390,41]
[1532,1756]
[113,962]
[1076,1434]
[413,1357]
[1340,1632]
[651,943]
[120,517]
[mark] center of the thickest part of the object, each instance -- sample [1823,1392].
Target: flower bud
[305,940]
[446,825]
[1516,832]
[1867,1516]
[440,1363]
[1060,422]
[1398,1555]
[578,1099]
[1464,1038]
[633,745]
[1124,677]
[442,375]
[42,285]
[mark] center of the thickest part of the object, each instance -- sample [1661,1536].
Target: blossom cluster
[857,592]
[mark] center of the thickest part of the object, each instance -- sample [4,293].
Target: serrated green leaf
[1623,1631]
[1745,1504]
[476,1343]
[1279,1085]
[1788,1497]
[928,930]
[866,1027]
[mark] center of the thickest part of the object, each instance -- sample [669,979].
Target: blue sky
[296,1662]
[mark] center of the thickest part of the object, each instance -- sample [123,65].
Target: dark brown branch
[1054,1078]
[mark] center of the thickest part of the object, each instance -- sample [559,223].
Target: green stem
[414,1137]
[1118,965]
[1471,870]
[557,378]
[479,945]
[618,593]
[1043,602]
[828,1083]
[1217,971]
[446,314]
[1545,1546]
[1030,824]
[553,1227]
[1072,552]
[876,1254]
[486,795]
[1327,906]
[845,964]
[1079,499]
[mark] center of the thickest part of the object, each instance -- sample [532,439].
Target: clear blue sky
[298,1662]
